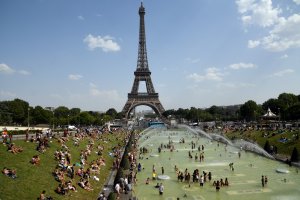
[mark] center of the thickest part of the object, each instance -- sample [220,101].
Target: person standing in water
[161,189]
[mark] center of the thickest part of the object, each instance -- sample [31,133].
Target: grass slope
[32,179]
[273,137]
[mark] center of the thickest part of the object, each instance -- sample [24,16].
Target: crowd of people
[71,173]
[67,169]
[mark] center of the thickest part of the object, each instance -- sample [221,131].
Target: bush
[119,175]
[112,196]
[295,155]
[267,147]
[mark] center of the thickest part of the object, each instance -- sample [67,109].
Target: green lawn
[273,137]
[32,179]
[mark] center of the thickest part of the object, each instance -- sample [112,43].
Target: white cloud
[107,94]
[253,43]
[193,60]
[258,12]
[297,2]
[283,32]
[92,85]
[235,85]
[24,72]
[282,72]
[74,77]
[5,69]
[105,43]
[284,56]
[237,66]
[80,17]
[110,94]
[212,73]
[284,35]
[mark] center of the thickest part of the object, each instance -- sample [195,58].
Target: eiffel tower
[142,73]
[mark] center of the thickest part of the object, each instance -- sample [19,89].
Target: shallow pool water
[244,180]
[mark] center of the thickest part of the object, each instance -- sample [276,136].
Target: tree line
[286,106]
[19,112]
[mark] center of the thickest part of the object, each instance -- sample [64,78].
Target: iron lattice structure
[142,73]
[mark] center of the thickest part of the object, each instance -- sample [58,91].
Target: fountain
[221,138]
[197,132]
[244,180]
[245,145]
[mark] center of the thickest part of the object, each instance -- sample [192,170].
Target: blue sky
[201,52]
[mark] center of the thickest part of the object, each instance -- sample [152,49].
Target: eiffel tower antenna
[142,73]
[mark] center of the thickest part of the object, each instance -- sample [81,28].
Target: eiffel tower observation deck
[142,73]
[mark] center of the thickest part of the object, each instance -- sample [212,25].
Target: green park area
[33,179]
[280,142]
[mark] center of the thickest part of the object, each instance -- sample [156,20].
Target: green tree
[249,110]
[61,114]
[288,99]
[293,112]
[41,116]
[19,110]
[112,112]
[5,114]
[86,118]
[74,112]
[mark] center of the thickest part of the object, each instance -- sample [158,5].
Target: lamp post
[28,118]
[68,123]
[279,117]
[52,119]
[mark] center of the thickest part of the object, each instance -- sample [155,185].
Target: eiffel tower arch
[142,73]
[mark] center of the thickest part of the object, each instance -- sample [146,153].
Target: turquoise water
[244,181]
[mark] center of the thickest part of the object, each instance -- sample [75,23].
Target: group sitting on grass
[72,174]
[67,170]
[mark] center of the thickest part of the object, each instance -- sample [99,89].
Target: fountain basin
[163,177]
[282,170]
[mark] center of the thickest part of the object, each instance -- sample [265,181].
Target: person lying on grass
[61,189]
[70,187]
[85,184]
[43,196]
[14,149]
[35,160]
[9,172]
[59,175]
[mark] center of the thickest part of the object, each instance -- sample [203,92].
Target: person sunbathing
[14,149]
[95,168]
[61,189]
[9,172]
[70,187]
[85,184]
[79,172]
[35,160]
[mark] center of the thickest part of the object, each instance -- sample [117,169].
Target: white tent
[269,114]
